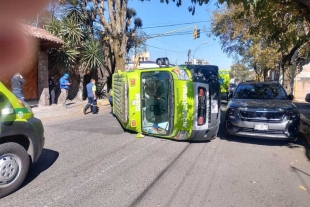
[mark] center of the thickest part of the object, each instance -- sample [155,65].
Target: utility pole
[188,55]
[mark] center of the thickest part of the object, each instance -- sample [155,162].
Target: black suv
[262,109]
[307,97]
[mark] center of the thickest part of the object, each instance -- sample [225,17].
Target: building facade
[302,83]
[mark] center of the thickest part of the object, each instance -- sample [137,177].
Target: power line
[177,33]
[165,49]
[171,25]
[174,50]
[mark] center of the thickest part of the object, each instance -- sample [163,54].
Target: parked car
[231,89]
[262,109]
[21,141]
[307,97]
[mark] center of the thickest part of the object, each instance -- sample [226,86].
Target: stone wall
[302,83]
[302,88]
[43,91]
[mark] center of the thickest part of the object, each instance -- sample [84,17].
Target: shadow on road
[68,104]
[137,200]
[46,160]
[299,172]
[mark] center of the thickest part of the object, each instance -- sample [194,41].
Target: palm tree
[65,58]
[92,54]
[81,52]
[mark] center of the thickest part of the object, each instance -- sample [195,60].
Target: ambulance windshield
[156,99]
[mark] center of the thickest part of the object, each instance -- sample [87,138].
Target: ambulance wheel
[14,165]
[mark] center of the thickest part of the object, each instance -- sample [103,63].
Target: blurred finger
[20,9]
[16,50]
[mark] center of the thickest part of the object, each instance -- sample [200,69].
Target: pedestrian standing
[52,89]
[64,87]
[86,80]
[91,96]
[16,83]
[111,100]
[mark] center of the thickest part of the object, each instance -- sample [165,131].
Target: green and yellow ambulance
[225,80]
[179,102]
[21,141]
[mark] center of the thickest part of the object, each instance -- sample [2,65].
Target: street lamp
[197,48]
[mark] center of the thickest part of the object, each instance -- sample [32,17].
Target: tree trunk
[282,73]
[109,84]
[119,63]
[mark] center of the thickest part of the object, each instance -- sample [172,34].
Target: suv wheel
[14,165]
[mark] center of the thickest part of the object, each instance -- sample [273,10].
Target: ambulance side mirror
[142,103]
[230,95]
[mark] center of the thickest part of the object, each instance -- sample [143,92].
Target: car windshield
[260,91]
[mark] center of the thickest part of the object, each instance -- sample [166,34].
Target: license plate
[214,107]
[261,126]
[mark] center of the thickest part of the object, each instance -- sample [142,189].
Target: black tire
[226,134]
[293,140]
[13,158]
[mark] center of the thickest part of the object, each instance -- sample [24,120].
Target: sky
[157,18]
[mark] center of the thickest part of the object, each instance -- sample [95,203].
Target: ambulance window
[4,101]
[1,98]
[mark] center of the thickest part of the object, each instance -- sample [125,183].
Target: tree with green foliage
[80,53]
[113,19]
[240,73]
[91,42]
[261,41]
[238,42]
[302,7]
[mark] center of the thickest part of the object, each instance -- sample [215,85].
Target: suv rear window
[260,91]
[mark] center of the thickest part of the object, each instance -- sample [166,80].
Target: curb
[51,111]
[305,122]
[304,119]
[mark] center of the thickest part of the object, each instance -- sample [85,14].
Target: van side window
[4,101]
[1,98]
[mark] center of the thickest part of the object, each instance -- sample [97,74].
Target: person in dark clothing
[91,95]
[86,80]
[52,89]
[64,87]
[16,84]
[111,100]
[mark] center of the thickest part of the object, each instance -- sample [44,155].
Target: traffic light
[198,33]
[195,34]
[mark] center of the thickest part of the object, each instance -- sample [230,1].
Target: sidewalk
[74,106]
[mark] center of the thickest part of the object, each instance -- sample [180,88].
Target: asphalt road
[90,161]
